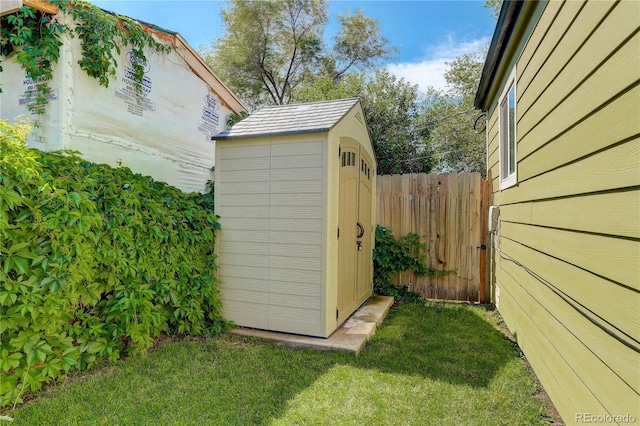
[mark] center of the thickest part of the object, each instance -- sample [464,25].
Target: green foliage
[494,7]
[36,38]
[391,256]
[95,262]
[267,47]
[392,111]
[236,118]
[272,47]
[359,45]
[101,34]
[450,118]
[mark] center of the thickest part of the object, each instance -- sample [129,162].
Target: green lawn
[428,364]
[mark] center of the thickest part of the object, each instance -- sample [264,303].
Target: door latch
[359,244]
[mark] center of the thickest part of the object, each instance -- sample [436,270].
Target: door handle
[360,230]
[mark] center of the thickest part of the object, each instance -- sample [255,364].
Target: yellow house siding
[567,255]
[611,124]
[543,25]
[589,292]
[616,75]
[605,213]
[611,169]
[577,342]
[493,150]
[554,53]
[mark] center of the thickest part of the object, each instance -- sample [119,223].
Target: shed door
[355,223]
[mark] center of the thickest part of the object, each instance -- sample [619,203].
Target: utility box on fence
[165,132]
[295,192]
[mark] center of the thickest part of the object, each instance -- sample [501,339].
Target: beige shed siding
[272,198]
[573,219]
[241,204]
[296,240]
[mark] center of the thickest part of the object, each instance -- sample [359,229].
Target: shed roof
[290,119]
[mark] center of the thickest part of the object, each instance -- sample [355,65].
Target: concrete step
[352,336]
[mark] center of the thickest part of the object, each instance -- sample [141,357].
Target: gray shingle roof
[290,119]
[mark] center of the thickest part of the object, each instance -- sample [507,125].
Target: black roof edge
[506,25]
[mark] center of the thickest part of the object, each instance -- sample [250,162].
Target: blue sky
[428,32]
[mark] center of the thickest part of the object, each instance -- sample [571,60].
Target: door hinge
[338,232]
[339,151]
[337,316]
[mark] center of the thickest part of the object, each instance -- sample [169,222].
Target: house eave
[507,23]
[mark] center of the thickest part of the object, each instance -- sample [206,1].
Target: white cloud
[430,71]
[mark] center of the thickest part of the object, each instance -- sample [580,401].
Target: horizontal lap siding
[242,202]
[269,198]
[295,259]
[568,251]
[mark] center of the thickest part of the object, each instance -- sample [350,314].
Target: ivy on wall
[95,262]
[35,39]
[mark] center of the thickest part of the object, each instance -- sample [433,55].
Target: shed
[166,134]
[561,89]
[295,189]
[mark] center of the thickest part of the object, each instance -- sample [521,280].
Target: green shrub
[391,256]
[95,262]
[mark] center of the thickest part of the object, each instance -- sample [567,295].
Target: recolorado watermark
[605,418]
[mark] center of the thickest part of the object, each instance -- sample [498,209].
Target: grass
[428,364]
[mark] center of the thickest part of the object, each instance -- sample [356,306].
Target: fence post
[483,241]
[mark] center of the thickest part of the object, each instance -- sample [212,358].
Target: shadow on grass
[230,381]
[220,381]
[443,341]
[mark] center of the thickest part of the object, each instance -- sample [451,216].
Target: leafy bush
[391,256]
[95,262]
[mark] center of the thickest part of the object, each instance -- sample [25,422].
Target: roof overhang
[507,23]
[204,71]
[10,6]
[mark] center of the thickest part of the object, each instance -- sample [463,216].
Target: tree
[494,7]
[358,46]
[392,109]
[271,47]
[450,118]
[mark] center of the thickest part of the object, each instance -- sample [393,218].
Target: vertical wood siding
[568,247]
[444,210]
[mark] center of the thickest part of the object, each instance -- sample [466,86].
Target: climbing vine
[36,37]
[95,263]
[391,256]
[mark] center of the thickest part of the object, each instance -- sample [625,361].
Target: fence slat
[446,211]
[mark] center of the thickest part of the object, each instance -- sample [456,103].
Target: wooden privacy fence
[445,210]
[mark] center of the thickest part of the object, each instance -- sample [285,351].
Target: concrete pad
[351,336]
